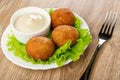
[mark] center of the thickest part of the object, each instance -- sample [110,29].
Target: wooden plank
[107,62]
[93,11]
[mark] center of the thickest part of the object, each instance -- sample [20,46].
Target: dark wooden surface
[107,64]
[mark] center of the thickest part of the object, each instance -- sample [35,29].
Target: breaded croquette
[40,48]
[63,33]
[62,16]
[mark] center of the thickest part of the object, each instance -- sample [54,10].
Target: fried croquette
[62,16]
[40,48]
[63,33]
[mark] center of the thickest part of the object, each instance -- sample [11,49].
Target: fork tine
[105,23]
[109,23]
[110,20]
[113,24]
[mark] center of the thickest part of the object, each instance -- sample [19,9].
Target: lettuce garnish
[61,54]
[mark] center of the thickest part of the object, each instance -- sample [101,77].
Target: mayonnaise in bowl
[29,22]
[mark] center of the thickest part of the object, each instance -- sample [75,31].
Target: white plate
[16,60]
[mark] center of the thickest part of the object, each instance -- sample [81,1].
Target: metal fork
[105,34]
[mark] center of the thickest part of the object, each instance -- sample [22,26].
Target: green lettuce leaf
[60,54]
[77,23]
[50,11]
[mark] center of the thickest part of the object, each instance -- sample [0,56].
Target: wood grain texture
[107,62]
[93,11]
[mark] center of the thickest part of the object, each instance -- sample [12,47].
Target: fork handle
[85,76]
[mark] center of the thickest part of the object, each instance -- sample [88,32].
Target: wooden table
[107,63]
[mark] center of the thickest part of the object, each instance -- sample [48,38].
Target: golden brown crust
[40,48]
[63,33]
[62,16]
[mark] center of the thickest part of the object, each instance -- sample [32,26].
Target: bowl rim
[36,10]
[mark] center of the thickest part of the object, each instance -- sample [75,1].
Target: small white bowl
[24,37]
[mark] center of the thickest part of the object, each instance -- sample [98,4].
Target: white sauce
[30,22]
